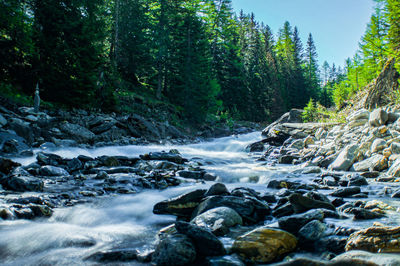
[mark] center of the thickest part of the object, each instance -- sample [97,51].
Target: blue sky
[336,25]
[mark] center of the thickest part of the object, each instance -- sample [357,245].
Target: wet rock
[7,165]
[101,175]
[121,255]
[218,220]
[371,174]
[205,242]
[301,203]
[283,210]
[375,239]
[345,158]
[48,159]
[164,156]
[191,174]
[77,132]
[346,192]
[217,189]
[363,214]
[40,210]
[357,180]
[182,206]
[174,250]
[264,245]
[335,244]
[75,164]
[378,117]
[23,129]
[251,210]
[312,231]
[287,159]
[359,257]
[3,121]
[22,183]
[293,223]
[255,147]
[49,170]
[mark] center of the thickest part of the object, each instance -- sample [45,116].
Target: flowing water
[127,221]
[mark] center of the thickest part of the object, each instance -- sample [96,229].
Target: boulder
[312,231]
[255,147]
[301,203]
[23,129]
[77,132]
[49,170]
[376,162]
[293,116]
[363,214]
[217,189]
[395,148]
[176,249]
[361,114]
[121,255]
[375,239]
[22,183]
[218,220]
[359,257]
[7,165]
[293,223]
[164,156]
[378,118]
[346,192]
[206,243]
[394,170]
[251,210]
[3,121]
[264,245]
[378,145]
[181,206]
[345,158]
[357,180]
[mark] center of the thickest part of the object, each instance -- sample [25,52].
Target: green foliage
[310,112]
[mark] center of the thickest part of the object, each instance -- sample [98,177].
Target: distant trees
[196,55]
[380,42]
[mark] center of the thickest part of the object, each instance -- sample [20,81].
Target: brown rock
[375,239]
[263,245]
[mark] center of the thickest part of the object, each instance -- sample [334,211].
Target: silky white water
[127,221]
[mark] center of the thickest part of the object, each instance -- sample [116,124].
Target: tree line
[380,42]
[199,56]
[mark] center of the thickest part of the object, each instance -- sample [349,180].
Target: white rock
[373,163]
[378,145]
[345,158]
[378,117]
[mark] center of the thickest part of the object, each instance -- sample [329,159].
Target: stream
[126,221]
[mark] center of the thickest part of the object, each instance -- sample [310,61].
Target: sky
[336,25]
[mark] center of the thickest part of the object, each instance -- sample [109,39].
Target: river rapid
[73,233]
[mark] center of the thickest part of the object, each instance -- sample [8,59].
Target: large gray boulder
[378,117]
[77,132]
[345,158]
[374,163]
[175,249]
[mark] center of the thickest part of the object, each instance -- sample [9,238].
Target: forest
[198,58]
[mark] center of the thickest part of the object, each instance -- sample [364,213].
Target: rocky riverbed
[297,196]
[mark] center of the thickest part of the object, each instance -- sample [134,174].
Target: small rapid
[121,222]
[73,233]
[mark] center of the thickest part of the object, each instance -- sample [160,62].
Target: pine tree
[312,71]
[69,37]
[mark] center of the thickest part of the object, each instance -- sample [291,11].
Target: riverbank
[119,204]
